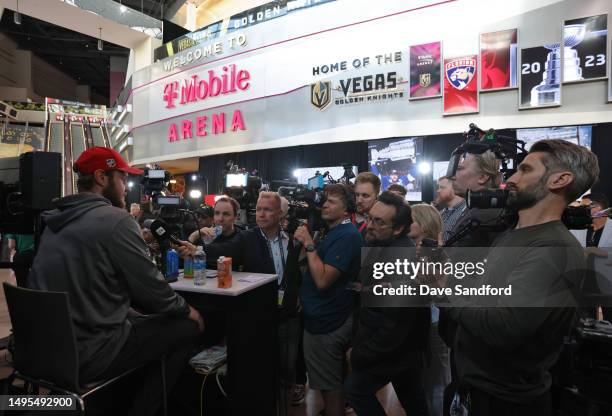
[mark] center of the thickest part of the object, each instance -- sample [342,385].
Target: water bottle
[188,267]
[199,267]
[209,239]
[172,264]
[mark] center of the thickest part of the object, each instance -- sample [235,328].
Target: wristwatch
[310,248]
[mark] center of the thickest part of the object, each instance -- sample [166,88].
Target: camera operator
[92,249]
[452,205]
[327,304]
[503,352]
[476,172]
[390,342]
[367,188]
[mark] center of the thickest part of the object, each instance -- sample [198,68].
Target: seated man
[93,250]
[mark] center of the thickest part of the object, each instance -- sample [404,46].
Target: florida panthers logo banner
[460,85]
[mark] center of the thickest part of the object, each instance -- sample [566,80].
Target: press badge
[281,296]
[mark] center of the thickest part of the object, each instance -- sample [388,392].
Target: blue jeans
[361,388]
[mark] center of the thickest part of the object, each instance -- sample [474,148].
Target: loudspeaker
[40,179]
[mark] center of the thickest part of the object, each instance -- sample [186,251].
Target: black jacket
[258,259]
[228,246]
[390,340]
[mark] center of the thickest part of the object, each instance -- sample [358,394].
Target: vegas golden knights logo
[425,80]
[320,94]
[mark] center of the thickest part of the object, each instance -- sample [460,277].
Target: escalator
[71,135]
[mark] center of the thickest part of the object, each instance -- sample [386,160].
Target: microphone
[161,232]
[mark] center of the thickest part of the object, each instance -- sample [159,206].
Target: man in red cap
[93,250]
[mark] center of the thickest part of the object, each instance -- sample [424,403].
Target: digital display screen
[168,200]
[156,174]
[316,182]
[236,179]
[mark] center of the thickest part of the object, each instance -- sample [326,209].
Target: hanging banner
[498,58]
[460,85]
[540,84]
[585,54]
[425,70]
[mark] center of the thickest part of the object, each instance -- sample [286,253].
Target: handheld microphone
[161,232]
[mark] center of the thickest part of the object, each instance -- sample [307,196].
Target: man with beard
[327,303]
[390,342]
[367,187]
[92,250]
[506,345]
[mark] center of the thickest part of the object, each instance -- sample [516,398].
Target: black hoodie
[94,252]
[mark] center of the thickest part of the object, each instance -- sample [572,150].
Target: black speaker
[40,179]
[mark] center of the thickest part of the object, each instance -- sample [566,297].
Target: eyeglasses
[378,222]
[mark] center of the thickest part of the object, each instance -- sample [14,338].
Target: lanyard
[282,252]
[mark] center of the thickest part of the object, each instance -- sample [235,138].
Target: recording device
[161,231]
[154,181]
[489,198]
[574,218]
[507,150]
[244,187]
[304,206]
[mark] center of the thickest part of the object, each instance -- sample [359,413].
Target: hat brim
[131,170]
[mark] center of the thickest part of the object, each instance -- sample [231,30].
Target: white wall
[319,38]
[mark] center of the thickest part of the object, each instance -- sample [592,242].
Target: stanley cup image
[549,90]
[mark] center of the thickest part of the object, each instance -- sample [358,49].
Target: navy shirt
[326,310]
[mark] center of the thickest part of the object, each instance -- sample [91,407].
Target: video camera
[244,188]
[510,152]
[304,206]
[305,202]
[507,150]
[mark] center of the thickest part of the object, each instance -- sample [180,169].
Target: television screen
[236,179]
[581,135]
[303,175]
[395,162]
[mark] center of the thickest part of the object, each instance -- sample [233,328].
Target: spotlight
[173,181]
[100,43]
[130,184]
[194,177]
[424,167]
[195,194]
[296,173]
[122,8]
[17,15]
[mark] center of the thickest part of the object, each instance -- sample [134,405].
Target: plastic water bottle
[172,268]
[209,239]
[199,267]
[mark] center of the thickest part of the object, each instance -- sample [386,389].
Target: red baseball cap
[105,159]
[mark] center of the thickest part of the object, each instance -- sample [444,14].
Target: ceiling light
[122,8]
[195,194]
[17,15]
[100,43]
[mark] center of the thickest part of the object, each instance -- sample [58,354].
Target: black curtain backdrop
[278,164]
